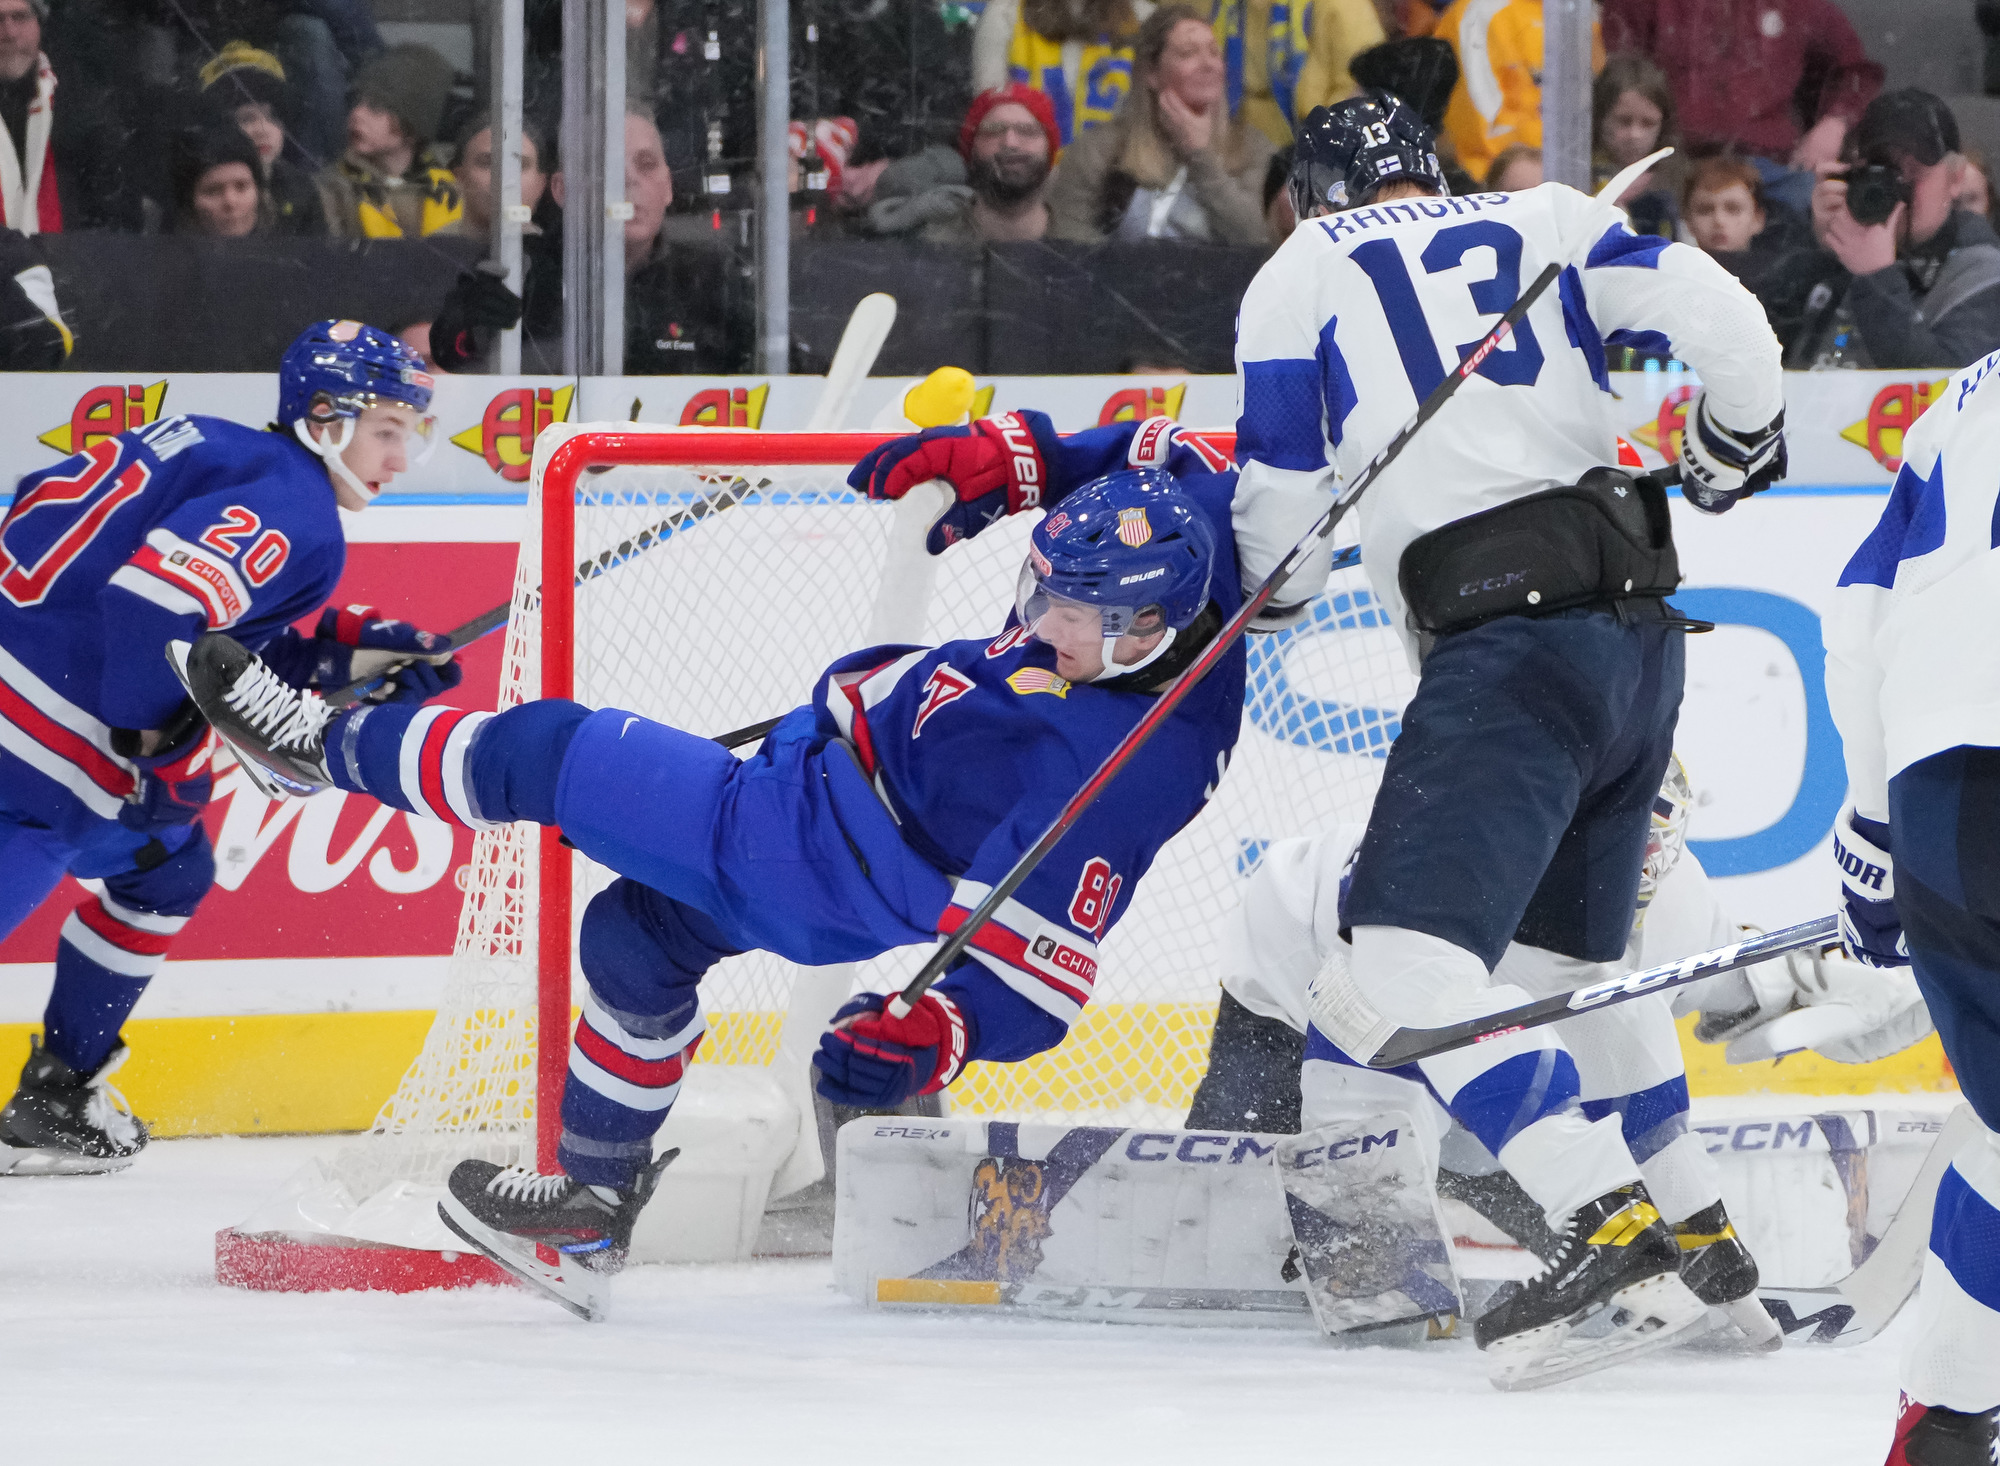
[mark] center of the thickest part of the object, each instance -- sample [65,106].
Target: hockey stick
[867,329]
[1865,1302]
[1407,1045]
[1176,691]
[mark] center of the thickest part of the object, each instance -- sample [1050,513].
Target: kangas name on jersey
[1408,211]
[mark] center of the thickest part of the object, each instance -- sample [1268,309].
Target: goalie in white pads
[1531,577]
[1919,857]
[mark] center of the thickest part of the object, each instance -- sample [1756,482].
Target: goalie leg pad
[1371,1238]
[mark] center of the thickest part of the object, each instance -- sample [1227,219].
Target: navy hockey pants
[1516,800]
[1944,820]
[112,944]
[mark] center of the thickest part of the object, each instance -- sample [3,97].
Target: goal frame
[585,449]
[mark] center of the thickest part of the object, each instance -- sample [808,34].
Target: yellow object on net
[941,399]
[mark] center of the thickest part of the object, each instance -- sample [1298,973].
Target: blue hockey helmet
[1132,545]
[335,371]
[1345,152]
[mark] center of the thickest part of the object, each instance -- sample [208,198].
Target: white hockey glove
[1841,1009]
[1720,465]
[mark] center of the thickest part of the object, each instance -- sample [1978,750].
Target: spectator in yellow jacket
[1497,103]
[1287,57]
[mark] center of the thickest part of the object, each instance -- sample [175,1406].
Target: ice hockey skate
[62,1123]
[512,1214]
[1616,1256]
[1930,1435]
[275,730]
[1720,1271]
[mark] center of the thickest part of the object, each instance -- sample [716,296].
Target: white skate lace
[518,1183]
[277,712]
[107,1108]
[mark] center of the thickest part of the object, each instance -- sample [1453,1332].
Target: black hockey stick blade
[1176,691]
[1407,1045]
[1866,1301]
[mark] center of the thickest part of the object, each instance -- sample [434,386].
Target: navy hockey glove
[1720,465]
[174,781]
[997,466]
[872,1061]
[355,643]
[1870,929]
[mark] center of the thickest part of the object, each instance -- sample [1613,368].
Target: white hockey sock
[1564,1160]
[1681,1177]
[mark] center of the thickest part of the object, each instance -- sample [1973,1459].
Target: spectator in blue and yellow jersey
[1076,52]
[1286,57]
[389,184]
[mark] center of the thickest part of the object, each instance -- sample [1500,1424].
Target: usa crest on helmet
[1132,544]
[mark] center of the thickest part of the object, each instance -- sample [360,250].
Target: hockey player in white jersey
[1919,856]
[1530,580]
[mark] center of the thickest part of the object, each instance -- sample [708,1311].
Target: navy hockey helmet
[1345,152]
[1132,545]
[334,372]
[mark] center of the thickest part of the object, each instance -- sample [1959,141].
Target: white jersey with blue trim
[1359,315]
[1926,579]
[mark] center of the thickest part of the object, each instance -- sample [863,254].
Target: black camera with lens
[1873,191]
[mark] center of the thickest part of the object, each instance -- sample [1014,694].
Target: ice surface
[116,1345]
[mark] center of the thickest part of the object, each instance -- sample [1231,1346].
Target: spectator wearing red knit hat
[1006,147]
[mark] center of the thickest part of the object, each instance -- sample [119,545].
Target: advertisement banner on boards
[1845,428]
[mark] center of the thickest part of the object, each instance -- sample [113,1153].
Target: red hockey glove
[868,1059]
[997,466]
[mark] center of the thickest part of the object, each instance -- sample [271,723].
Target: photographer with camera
[1919,284]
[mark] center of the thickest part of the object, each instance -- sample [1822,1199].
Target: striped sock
[413,758]
[624,1074]
[107,955]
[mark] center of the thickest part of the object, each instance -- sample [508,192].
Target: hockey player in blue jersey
[187,525]
[1919,857]
[1528,578]
[875,817]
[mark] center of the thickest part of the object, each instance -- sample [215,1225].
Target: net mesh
[711,598]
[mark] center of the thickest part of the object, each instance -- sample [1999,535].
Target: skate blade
[49,1160]
[1662,1310]
[569,1283]
[1739,1327]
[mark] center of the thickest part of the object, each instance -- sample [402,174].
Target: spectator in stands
[1497,103]
[678,315]
[33,335]
[29,201]
[1005,145]
[389,184]
[1780,80]
[247,86]
[218,189]
[1632,116]
[1516,168]
[1921,287]
[1171,164]
[472,166]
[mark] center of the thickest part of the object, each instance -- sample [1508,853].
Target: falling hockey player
[1529,578]
[1919,857]
[187,525]
[875,817]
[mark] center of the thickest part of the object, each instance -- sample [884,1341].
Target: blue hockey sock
[107,955]
[644,955]
[465,768]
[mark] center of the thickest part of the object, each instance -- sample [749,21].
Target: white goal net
[720,574]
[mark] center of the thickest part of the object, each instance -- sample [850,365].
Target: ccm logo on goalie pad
[1196,1149]
[1342,1150]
